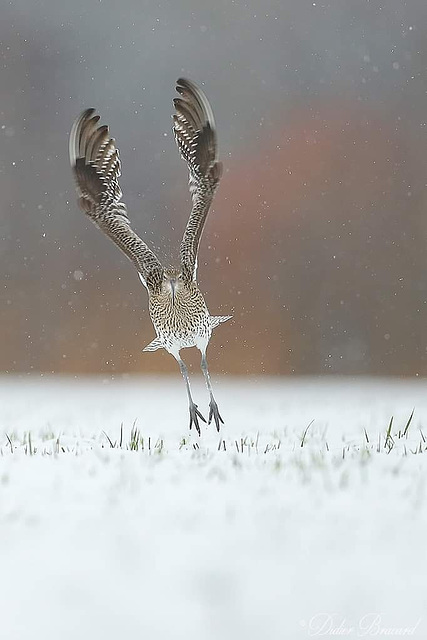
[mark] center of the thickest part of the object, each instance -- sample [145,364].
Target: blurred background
[317,239]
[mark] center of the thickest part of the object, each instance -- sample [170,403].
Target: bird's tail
[154,345]
[216,320]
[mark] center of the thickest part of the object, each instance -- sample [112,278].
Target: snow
[246,534]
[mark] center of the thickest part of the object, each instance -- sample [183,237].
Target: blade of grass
[10,442]
[405,431]
[305,432]
[109,440]
[388,432]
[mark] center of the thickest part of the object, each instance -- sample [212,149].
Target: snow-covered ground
[267,531]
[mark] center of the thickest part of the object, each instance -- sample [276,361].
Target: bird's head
[172,282]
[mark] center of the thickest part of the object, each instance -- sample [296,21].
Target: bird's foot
[214,413]
[194,416]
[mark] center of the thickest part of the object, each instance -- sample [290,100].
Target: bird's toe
[194,417]
[215,414]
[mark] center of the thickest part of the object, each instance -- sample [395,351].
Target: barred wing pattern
[195,135]
[97,168]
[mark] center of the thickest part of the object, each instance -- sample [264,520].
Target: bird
[176,305]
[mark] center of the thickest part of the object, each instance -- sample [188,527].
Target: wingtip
[189,85]
[186,88]
[184,82]
[87,113]
[74,133]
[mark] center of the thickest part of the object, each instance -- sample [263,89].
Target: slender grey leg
[213,407]
[194,412]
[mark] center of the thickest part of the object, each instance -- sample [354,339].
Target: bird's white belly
[175,342]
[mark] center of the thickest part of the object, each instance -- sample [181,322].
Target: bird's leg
[213,407]
[194,412]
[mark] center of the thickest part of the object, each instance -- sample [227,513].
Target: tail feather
[154,345]
[216,320]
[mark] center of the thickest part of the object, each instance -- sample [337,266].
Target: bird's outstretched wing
[97,168]
[195,135]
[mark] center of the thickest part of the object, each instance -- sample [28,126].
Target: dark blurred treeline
[316,242]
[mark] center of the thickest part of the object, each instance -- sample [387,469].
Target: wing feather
[195,135]
[96,165]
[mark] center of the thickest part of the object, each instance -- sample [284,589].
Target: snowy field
[114,523]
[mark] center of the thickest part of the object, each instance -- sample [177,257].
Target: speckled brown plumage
[177,308]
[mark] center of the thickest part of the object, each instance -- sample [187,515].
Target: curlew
[177,308]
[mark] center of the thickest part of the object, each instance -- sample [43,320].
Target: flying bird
[178,311]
